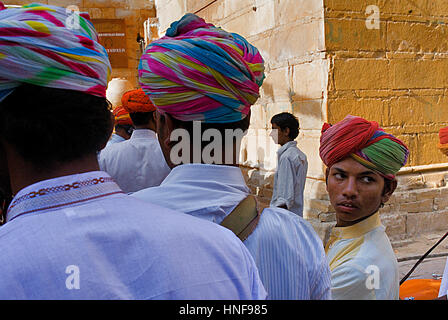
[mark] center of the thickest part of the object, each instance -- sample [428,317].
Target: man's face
[355,191]
[278,135]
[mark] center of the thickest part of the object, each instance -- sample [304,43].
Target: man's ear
[165,126]
[389,188]
[110,130]
[327,172]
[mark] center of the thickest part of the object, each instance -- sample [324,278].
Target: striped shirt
[288,253]
[362,262]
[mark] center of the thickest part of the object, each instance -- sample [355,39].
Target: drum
[420,289]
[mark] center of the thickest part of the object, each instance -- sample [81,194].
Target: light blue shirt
[115,138]
[289,255]
[81,237]
[290,177]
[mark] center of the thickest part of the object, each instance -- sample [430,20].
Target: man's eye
[338,175]
[367,179]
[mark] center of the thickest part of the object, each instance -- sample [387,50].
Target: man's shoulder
[293,153]
[283,224]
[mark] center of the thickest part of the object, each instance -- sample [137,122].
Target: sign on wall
[112,35]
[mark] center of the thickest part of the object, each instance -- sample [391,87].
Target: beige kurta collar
[359,229]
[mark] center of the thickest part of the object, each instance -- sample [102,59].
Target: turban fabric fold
[137,101]
[443,140]
[198,72]
[47,46]
[365,142]
[122,116]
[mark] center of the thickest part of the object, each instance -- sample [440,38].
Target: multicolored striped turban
[443,140]
[198,72]
[366,143]
[122,116]
[46,46]
[137,101]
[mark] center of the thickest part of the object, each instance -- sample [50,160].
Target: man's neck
[22,174]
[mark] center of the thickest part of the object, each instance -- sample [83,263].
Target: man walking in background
[290,177]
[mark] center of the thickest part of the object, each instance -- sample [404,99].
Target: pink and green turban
[365,142]
[198,72]
[45,46]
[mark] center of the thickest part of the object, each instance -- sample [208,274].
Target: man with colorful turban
[123,126]
[361,161]
[70,231]
[203,81]
[137,163]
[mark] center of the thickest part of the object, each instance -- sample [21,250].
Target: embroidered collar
[61,191]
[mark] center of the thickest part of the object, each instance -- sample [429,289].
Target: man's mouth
[347,206]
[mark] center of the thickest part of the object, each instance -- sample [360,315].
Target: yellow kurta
[362,263]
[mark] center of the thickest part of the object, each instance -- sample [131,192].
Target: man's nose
[350,189]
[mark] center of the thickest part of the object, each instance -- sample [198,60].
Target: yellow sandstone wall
[397,74]
[134,12]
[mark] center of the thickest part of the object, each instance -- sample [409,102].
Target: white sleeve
[444,284]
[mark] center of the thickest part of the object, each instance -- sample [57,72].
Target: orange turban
[443,140]
[137,101]
[121,116]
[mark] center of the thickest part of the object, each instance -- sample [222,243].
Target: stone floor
[408,253]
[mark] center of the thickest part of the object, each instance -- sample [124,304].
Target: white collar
[143,133]
[287,145]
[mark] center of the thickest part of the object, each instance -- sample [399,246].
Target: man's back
[82,238]
[288,253]
[290,177]
[136,163]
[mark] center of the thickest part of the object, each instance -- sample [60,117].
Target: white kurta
[289,180]
[362,262]
[136,163]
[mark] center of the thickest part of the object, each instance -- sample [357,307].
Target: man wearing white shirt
[205,180]
[71,232]
[290,177]
[136,163]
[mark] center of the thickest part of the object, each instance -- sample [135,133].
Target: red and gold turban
[122,116]
[443,140]
[137,101]
[365,142]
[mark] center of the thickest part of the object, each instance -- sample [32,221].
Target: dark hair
[47,126]
[141,118]
[287,120]
[126,127]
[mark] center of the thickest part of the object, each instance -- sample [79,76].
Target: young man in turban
[71,232]
[137,163]
[123,126]
[443,147]
[203,81]
[361,161]
[290,177]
